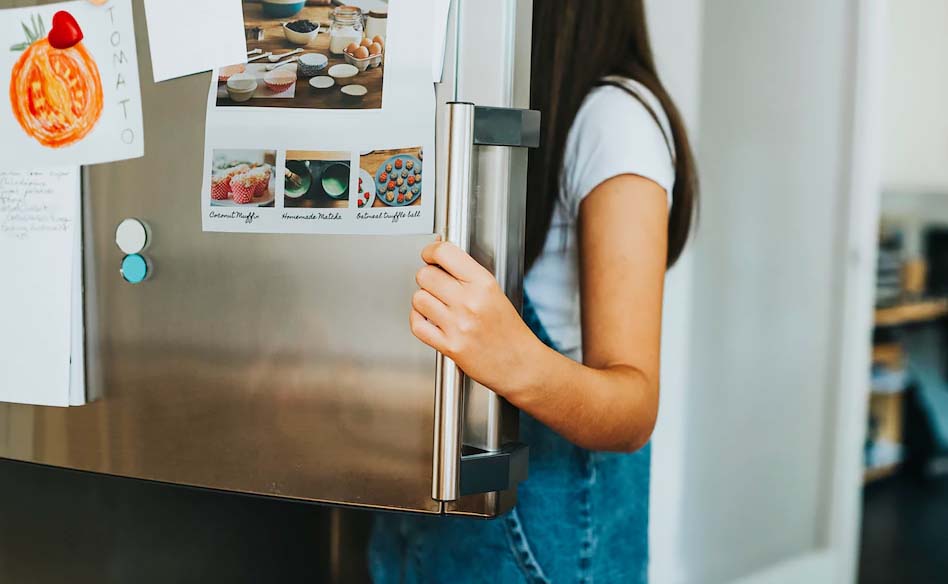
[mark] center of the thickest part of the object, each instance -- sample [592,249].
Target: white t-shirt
[613,134]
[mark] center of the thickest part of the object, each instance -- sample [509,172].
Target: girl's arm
[610,401]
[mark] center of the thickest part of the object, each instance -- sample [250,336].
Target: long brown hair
[576,43]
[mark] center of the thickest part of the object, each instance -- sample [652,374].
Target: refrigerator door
[278,365]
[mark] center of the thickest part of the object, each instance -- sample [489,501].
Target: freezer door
[279,365]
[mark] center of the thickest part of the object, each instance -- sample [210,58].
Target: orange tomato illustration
[55,87]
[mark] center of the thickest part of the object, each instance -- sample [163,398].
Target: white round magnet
[131,236]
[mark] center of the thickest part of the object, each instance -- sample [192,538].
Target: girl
[612,192]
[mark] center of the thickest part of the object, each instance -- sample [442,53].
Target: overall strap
[532,319]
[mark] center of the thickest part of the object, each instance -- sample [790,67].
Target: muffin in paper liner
[220,187]
[243,187]
[262,179]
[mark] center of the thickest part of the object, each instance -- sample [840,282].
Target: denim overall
[582,516]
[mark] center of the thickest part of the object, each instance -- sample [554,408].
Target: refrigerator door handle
[468,125]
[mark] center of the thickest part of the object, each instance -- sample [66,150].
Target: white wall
[916,97]
[675,26]
[915,117]
[748,413]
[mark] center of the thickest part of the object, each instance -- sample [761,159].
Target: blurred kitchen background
[805,423]
[804,426]
[905,500]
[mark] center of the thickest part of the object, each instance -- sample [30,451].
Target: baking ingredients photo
[290,43]
[317,179]
[243,178]
[396,175]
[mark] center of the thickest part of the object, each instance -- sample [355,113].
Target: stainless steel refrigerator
[283,365]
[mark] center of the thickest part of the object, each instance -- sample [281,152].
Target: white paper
[103,117]
[440,13]
[394,124]
[193,36]
[77,352]
[39,214]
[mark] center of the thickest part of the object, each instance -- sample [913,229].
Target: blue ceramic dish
[282,8]
[410,194]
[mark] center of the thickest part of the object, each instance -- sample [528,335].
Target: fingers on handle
[425,331]
[439,283]
[453,260]
[430,307]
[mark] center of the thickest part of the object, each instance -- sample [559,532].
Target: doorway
[905,492]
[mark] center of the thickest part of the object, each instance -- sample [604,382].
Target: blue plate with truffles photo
[399,180]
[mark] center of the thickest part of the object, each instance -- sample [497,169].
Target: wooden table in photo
[371,162]
[305,96]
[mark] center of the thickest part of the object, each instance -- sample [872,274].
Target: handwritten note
[31,202]
[39,235]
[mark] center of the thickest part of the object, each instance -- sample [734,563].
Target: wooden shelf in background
[910,312]
[888,354]
[880,472]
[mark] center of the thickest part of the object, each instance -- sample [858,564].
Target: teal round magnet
[134,269]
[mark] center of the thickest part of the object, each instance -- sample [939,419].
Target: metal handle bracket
[485,472]
[501,126]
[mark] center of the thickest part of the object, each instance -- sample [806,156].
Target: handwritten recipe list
[40,306]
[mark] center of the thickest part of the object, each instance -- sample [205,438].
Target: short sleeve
[614,134]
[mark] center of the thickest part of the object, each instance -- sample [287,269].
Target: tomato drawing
[55,87]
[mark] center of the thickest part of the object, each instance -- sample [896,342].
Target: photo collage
[309,54]
[299,138]
[316,187]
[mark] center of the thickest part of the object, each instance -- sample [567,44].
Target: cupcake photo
[243,178]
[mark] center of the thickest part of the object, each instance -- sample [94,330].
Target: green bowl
[335,180]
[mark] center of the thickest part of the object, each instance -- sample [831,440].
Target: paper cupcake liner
[280,88]
[262,182]
[243,190]
[220,188]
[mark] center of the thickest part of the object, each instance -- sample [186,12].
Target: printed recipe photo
[317,179]
[311,54]
[390,178]
[243,178]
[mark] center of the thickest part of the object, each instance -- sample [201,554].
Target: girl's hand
[461,311]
